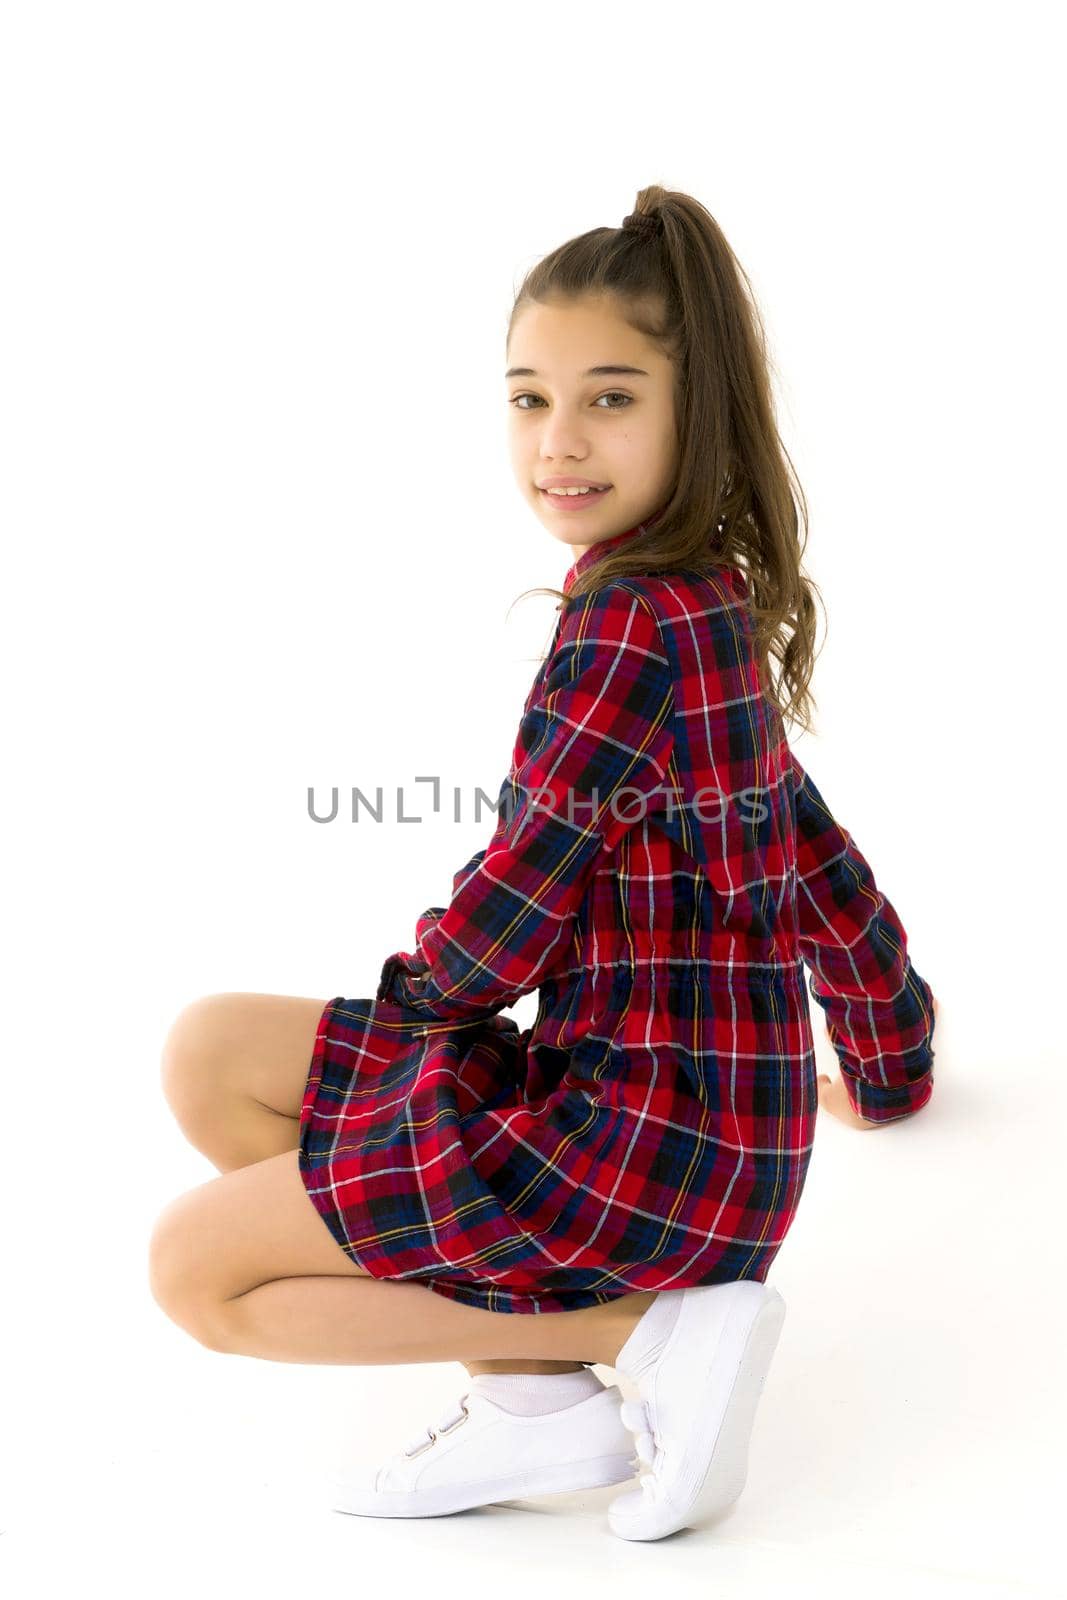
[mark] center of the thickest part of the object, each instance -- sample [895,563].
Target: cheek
[650,454]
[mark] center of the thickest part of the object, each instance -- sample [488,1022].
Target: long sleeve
[592,751]
[879,1010]
[432,914]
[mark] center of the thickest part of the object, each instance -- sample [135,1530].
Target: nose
[563,446]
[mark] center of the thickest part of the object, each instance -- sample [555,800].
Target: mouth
[573,502]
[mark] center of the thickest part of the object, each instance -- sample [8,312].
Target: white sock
[535,1394]
[645,1345]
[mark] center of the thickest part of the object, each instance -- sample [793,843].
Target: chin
[567,537]
[596,519]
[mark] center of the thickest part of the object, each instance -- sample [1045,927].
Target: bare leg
[364,1322]
[233,1072]
[245,1265]
[474,1367]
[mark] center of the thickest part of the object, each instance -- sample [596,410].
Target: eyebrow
[594,372]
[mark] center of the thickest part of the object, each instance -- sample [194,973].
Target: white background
[260,533]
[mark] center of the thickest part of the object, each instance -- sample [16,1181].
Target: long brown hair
[679,283]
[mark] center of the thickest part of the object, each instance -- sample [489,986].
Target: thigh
[237,1231]
[256,1045]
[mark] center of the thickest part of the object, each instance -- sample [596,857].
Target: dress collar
[595,551]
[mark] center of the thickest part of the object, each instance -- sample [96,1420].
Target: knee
[179,1273]
[194,1052]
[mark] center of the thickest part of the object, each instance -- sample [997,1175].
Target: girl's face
[614,426]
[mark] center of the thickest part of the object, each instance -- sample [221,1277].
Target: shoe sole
[746,1347]
[558,1478]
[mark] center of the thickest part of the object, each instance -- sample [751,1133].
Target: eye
[617,394]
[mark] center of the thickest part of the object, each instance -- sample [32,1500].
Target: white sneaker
[479,1454]
[697,1406]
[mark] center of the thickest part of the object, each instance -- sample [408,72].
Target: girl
[437,1184]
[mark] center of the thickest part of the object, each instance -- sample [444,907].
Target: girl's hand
[833,1098]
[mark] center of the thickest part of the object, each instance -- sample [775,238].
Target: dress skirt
[512,1176]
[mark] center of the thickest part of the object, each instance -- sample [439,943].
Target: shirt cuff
[875,1103]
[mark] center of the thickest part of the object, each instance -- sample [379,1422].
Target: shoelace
[429,1436]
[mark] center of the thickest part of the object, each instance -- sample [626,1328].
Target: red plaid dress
[662,871]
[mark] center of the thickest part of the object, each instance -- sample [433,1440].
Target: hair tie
[645,224]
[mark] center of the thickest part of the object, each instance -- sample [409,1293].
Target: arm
[433,913]
[879,1011]
[595,739]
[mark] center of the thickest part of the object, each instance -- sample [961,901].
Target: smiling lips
[571,483]
[574,499]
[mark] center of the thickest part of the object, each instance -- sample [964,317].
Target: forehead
[570,338]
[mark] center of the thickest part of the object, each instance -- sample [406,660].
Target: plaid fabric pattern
[662,871]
